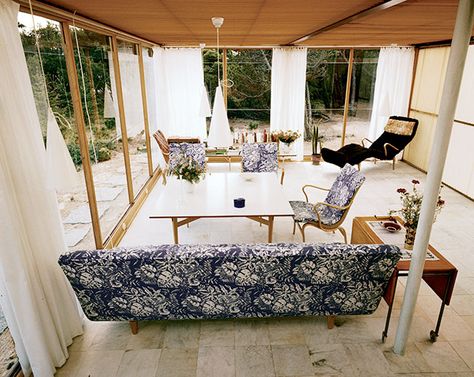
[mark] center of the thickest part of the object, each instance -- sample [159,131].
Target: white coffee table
[214,196]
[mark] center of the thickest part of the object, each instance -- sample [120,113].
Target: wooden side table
[439,274]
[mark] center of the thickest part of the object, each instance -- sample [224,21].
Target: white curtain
[392,87]
[180,80]
[132,95]
[150,66]
[288,92]
[38,303]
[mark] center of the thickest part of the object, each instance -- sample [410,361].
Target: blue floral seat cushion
[196,151]
[260,157]
[304,213]
[229,281]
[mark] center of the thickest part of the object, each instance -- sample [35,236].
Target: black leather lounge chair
[398,132]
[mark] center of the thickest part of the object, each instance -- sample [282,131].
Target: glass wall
[94,65]
[248,97]
[73,201]
[248,89]
[326,76]
[326,80]
[152,96]
[133,106]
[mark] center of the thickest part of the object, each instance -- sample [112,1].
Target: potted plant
[188,170]
[316,146]
[410,211]
[286,139]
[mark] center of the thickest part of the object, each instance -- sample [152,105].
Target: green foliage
[75,153]
[253,125]
[104,154]
[188,169]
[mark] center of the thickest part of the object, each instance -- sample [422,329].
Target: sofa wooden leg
[330,320]
[133,327]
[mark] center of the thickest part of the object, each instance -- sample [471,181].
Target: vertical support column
[444,125]
[224,74]
[348,96]
[145,109]
[81,131]
[123,124]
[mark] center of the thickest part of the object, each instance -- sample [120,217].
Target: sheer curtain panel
[288,91]
[39,305]
[180,78]
[392,87]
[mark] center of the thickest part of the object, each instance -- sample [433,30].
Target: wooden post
[145,109]
[123,123]
[224,75]
[81,131]
[348,96]
[444,125]
[133,327]
[331,319]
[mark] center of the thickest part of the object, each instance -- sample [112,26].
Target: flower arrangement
[286,137]
[188,169]
[411,205]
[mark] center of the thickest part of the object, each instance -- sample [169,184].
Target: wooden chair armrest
[343,208]
[389,145]
[312,186]
[365,139]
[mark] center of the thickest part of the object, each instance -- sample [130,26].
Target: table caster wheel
[433,336]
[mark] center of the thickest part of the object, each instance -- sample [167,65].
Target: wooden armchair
[331,213]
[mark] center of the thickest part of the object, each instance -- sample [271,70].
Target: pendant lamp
[220,135]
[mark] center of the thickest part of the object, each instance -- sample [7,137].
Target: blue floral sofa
[169,282]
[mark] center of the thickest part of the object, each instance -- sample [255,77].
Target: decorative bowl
[391,226]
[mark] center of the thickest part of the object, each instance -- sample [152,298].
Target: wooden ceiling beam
[364,13]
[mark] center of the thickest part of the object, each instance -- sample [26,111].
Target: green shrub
[75,153]
[104,154]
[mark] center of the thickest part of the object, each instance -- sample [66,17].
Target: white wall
[429,79]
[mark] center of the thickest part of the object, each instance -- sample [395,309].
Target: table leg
[270,228]
[174,220]
[390,307]
[435,333]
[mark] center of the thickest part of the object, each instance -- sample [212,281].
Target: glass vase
[409,237]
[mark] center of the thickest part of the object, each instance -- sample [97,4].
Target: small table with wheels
[438,273]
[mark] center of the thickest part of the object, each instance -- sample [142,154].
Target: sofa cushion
[226,281]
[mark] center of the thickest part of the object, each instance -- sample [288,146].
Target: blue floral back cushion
[260,157]
[342,190]
[228,281]
[196,151]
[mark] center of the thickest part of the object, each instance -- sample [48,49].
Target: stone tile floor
[297,347]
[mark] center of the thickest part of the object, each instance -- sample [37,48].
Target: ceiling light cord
[218,60]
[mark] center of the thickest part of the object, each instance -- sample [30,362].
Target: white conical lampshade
[205,107]
[219,132]
[109,109]
[61,171]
